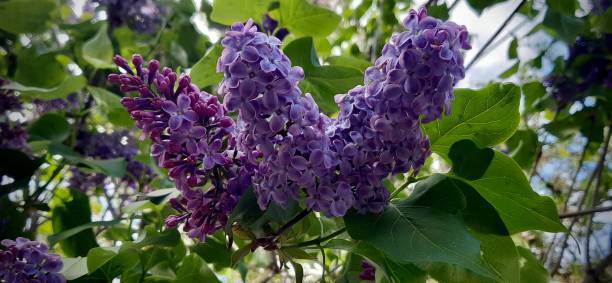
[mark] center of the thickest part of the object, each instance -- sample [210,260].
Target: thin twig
[596,172]
[452,6]
[585,212]
[316,241]
[497,32]
[290,224]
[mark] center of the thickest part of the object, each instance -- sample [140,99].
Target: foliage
[99,170]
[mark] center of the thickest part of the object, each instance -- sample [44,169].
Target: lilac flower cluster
[342,163]
[588,66]
[71,103]
[118,144]
[368,271]
[23,260]
[270,26]
[13,134]
[280,129]
[192,138]
[143,16]
[378,131]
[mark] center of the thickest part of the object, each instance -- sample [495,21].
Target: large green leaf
[98,50]
[20,168]
[323,82]
[303,18]
[71,209]
[484,223]
[110,105]
[214,251]
[51,127]
[480,5]
[65,234]
[532,270]
[523,147]
[39,70]
[486,116]
[74,267]
[194,269]
[228,12]
[408,233]
[564,27]
[504,185]
[70,85]
[25,16]
[204,72]
[394,272]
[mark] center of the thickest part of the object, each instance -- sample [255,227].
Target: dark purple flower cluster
[118,144]
[378,131]
[13,135]
[368,271]
[270,26]
[192,138]
[71,103]
[588,66]
[340,164]
[280,130]
[23,260]
[143,16]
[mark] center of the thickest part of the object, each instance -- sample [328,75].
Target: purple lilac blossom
[143,16]
[13,134]
[118,144]
[587,66]
[340,164]
[23,260]
[70,104]
[279,129]
[193,138]
[378,131]
[368,271]
[270,25]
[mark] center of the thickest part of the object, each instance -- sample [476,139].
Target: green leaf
[97,257]
[51,127]
[349,61]
[498,252]
[394,272]
[39,70]
[194,269]
[323,82]
[299,271]
[438,11]
[20,169]
[486,116]
[204,72]
[98,50]
[65,234]
[110,105]
[523,147]
[71,209]
[563,26]
[480,5]
[74,267]
[26,16]
[510,71]
[567,7]
[532,270]
[408,233]
[69,85]
[504,185]
[15,227]
[602,23]
[214,251]
[446,193]
[115,167]
[305,19]
[512,50]
[228,12]
[532,92]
